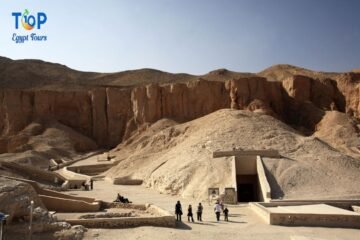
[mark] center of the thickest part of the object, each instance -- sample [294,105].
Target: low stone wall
[128,222]
[127,181]
[68,205]
[85,156]
[124,205]
[94,169]
[344,204]
[304,219]
[35,173]
[319,220]
[162,219]
[261,211]
[51,193]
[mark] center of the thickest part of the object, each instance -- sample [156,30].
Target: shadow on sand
[236,215]
[203,223]
[182,226]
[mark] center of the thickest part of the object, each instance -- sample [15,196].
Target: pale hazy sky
[193,36]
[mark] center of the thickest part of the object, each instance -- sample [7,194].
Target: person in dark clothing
[178,211]
[91,184]
[226,214]
[199,212]
[190,214]
[121,199]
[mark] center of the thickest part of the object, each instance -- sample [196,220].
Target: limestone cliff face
[306,99]
[349,86]
[110,115]
[256,93]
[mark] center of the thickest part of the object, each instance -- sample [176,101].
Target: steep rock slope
[110,115]
[40,141]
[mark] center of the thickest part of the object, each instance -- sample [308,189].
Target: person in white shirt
[217,210]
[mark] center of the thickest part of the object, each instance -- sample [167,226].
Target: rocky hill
[164,126]
[177,158]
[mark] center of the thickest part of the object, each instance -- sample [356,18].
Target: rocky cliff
[108,110]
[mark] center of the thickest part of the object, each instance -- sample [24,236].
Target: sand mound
[341,132]
[178,159]
[37,143]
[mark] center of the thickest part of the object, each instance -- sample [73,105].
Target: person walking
[226,214]
[91,184]
[217,210]
[190,214]
[178,211]
[199,212]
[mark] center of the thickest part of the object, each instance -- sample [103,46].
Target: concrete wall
[265,190]
[240,153]
[246,165]
[68,205]
[251,165]
[344,204]
[304,219]
[319,220]
[261,211]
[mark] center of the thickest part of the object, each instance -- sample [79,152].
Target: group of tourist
[218,208]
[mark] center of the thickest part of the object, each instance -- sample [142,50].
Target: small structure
[315,213]
[230,196]
[249,179]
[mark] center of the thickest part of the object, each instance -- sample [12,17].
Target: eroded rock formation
[108,108]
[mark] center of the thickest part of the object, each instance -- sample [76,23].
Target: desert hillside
[163,127]
[177,158]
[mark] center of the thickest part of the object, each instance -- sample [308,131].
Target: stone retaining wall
[68,205]
[162,218]
[127,222]
[34,173]
[304,219]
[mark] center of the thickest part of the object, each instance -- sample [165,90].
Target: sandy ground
[244,223]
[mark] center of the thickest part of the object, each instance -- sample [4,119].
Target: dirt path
[244,224]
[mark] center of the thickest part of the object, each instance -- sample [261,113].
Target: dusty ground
[244,224]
